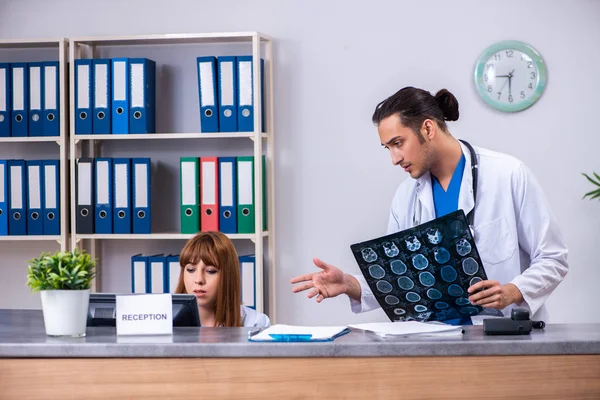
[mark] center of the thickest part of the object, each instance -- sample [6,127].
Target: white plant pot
[65,312]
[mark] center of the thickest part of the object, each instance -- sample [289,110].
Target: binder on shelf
[228,88]
[122,195]
[142,107]
[84,76]
[245,194]
[227,195]
[84,221]
[20,100]
[51,203]
[207,93]
[4,193]
[189,184]
[103,178]
[120,95]
[209,194]
[36,93]
[246,94]
[35,194]
[102,97]
[51,104]
[17,209]
[174,269]
[264,192]
[248,277]
[139,274]
[158,277]
[5,99]
[142,198]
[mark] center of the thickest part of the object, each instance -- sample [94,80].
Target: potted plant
[596,182]
[63,280]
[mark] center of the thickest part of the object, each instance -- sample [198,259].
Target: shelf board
[158,236]
[170,39]
[15,238]
[32,43]
[35,139]
[134,136]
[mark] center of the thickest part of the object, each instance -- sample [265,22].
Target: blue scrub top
[446,202]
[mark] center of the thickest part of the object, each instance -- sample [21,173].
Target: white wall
[334,62]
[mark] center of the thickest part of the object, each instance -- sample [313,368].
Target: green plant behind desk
[63,280]
[65,270]
[596,182]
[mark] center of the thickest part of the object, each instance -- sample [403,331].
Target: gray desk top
[22,335]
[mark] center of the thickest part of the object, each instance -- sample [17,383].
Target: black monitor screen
[102,310]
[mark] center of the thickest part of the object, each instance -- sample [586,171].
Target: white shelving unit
[61,47]
[87,48]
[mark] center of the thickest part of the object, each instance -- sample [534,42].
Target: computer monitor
[102,310]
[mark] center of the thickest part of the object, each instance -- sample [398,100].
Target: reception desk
[560,362]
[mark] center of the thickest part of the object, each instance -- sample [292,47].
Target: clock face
[510,76]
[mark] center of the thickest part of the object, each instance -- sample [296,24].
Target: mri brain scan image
[434,236]
[412,243]
[369,255]
[463,247]
[423,273]
[390,249]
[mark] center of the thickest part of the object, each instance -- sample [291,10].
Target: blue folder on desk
[291,333]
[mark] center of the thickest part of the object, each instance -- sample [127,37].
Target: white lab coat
[253,318]
[516,234]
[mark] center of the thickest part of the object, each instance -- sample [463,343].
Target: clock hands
[509,81]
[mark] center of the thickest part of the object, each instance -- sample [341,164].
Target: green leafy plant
[594,193]
[65,270]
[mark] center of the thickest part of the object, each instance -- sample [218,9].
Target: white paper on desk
[409,328]
[317,332]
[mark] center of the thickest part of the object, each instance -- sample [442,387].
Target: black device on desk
[102,310]
[518,324]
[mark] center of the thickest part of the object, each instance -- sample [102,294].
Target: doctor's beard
[428,159]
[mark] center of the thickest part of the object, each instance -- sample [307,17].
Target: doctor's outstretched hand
[330,282]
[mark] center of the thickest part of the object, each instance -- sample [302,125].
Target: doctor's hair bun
[448,104]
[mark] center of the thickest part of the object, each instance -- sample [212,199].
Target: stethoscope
[471,214]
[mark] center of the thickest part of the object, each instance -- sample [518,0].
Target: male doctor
[519,242]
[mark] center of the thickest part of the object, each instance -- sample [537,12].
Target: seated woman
[210,269]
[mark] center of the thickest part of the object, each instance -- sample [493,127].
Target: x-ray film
[423,273]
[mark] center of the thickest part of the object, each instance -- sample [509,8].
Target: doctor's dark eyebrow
[391,140]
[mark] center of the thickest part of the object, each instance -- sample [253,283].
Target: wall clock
[510,76]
